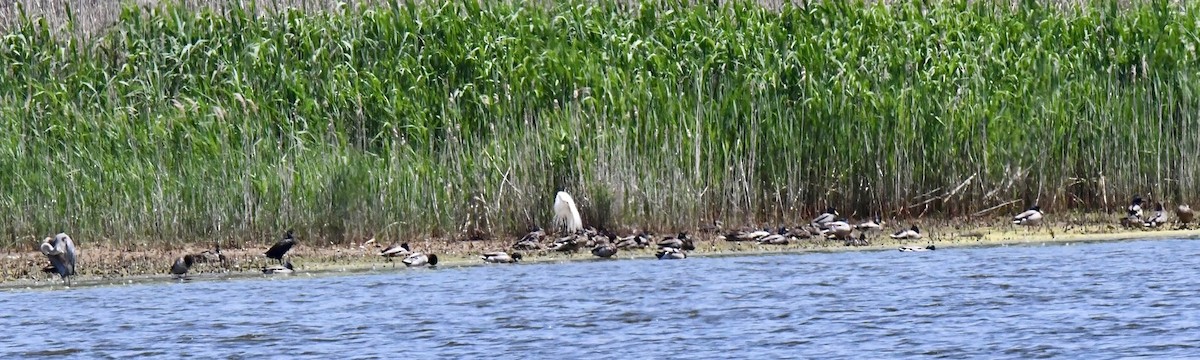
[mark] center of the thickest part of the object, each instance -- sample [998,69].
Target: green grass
[445,119]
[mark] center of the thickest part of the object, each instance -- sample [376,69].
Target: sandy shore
[108,265]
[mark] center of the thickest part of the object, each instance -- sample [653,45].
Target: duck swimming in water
[500,257]
[916,248]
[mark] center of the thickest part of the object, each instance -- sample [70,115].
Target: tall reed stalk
[450,118]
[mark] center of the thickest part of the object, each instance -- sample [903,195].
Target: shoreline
[151,266]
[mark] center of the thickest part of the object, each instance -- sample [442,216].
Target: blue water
[1103,300]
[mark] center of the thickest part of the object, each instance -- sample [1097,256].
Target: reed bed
[461,119]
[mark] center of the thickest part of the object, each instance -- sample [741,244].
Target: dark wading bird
[61,252]
[180,269]
[280,248]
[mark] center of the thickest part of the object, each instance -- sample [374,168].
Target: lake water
[1101,300]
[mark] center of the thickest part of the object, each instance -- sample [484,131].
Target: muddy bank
[109,265]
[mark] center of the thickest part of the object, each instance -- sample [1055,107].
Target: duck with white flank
[418,259]
[826,217]
[286,268]
[670,253]
[1158,218]
[1031,217]
[917,248]
[911,233]
[500,257]
[839,230]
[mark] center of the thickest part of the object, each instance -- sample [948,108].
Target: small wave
[58,352]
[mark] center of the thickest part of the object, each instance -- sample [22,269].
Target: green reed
[446,119]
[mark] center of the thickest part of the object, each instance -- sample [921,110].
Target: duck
[681,241]
[419,259]
[911,233]
[636,241]
[500,257]
[210,256]
[873,224]
[860,241]
[395,251]
[713,228]
[917,248]
[570,243]
[1134,210]
[1159,217]
[779,238]
[670,254]
[181,266]
[60,250]
[749,235]
[1184,214]
[286,268]
[281,247]
[604,250]
[1031,217]
[830,215]
[532,240]
[839,229]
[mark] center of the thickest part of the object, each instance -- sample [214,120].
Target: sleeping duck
[670,253]
[1159,217]
[1031,217]
[420,259]
[911,233]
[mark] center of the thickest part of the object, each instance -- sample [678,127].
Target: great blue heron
[61,252]
[566,215]
[281,247]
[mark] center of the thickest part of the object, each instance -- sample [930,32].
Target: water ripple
[1122,299]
